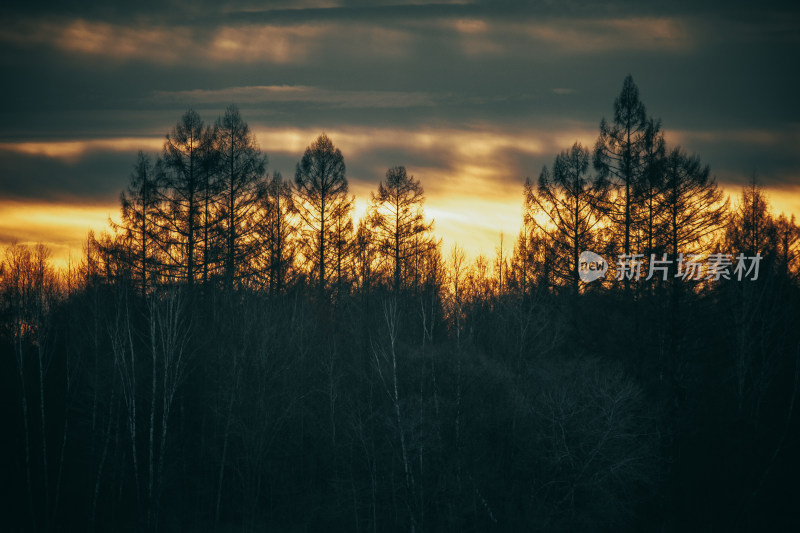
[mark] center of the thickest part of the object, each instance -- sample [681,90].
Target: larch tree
[755,315]
[399,224]
[618,156]
[182,157]
[211,183]
[650,185]
[521,270]
[242,189]
[278,232]
[693,206]
[567,206]
[693,209]
[365,257]
[501,266]
[788,245]
[751,228]
[341,239]
[322,193]
[139,209]
[531,262]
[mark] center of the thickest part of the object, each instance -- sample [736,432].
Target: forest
[238,353]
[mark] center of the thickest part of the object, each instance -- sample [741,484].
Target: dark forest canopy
[239,353]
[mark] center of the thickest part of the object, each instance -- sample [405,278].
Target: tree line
[206,213]
[237,353]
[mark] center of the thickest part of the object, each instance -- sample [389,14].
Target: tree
[278,232]
[322,194]
[365,256]
[531,263]
[567,206]
[183,155]
[501,267]
[139,213]
[341,240]
[692,211]
[242,189]
[398,221]
[693,208]
[29,295]
[618,156]
[211,184]
[788,245]
[751,229]
[651,184]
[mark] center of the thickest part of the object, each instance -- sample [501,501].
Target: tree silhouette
[279,233]
[567,205]
[788,245]
[140,210]
[183,157]
[473,393]
[242,189]
[322,202]
[618,158]
[651,185]
[398,221]
[751,228]
[693,208]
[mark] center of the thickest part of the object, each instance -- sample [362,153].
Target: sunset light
[399,266]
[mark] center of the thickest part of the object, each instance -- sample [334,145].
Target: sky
[471,97]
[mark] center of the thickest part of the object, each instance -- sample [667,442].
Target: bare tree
[17,288]
[322,199]
[341,241]
[211,184]
[243,188]
[788,246]
[618,156]
[124,350]
[365,257]
[751,228]
[386,366]
[139,213]
[567,206]
[398,220]
[693,206]
[279,232]
[183,157]
[651,185]
[170,330]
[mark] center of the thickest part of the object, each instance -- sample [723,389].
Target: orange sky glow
[472,222]
[471,202]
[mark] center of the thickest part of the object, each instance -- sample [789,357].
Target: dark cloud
[722,77]
[96,178]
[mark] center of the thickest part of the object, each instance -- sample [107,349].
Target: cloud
[735,153]
[472,98]
[308,40]
[566,36]
[164,44]
[95,177]
[472,177]
[755,137]
[300,93]
[206,46]
[72,151]
[116,42]
[273,44]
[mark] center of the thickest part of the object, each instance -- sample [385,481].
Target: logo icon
[591,266]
